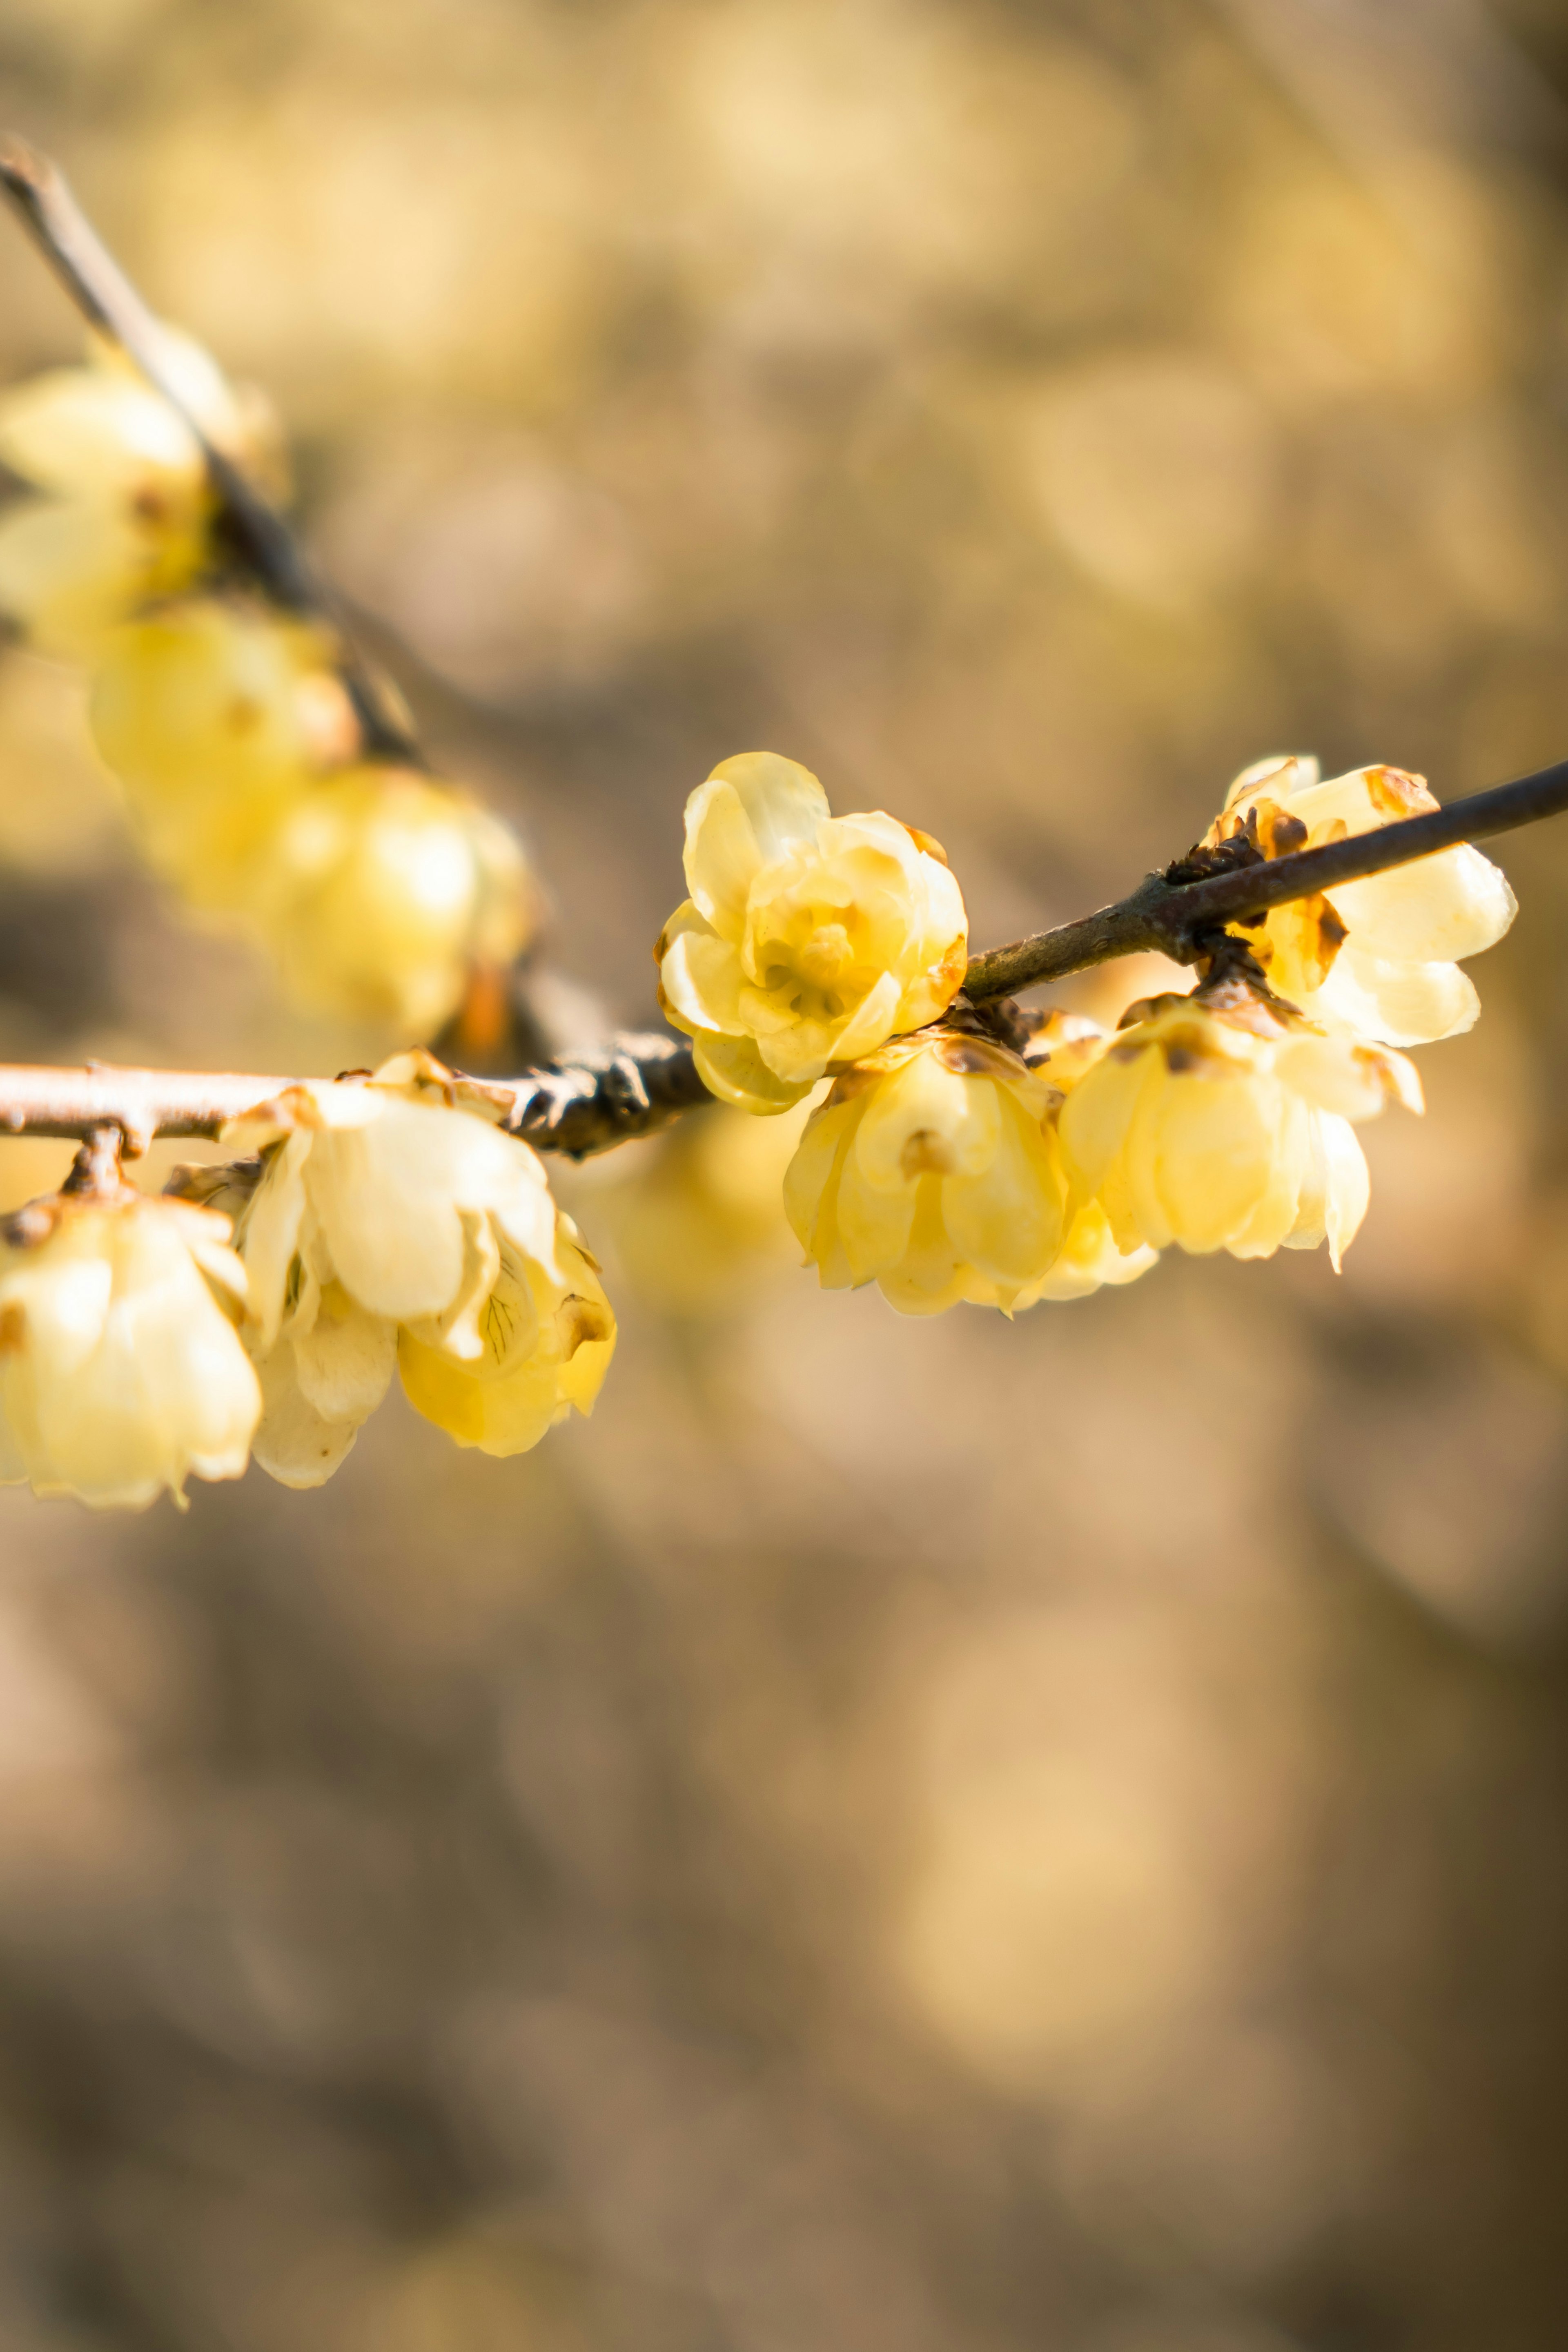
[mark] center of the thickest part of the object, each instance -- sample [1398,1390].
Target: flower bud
[1378,958]
[124,506]
[121,1370]
[807,939]
[1222,1120]
[933,1170]
[391,1221]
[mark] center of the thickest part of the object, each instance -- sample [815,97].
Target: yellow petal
[293,1443]
[699,976]
[732,1069]
[1398,1003]
[1200,1157]
[1008,1221]
[343,1363]
[85,433]
[1437,910]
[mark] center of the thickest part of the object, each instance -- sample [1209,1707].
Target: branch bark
[631,1087]
[1173,917]
[248,525]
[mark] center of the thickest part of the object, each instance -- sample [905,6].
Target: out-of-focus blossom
[121,1370]
[702,1219]
[391,1221]
[1379,957]
[379,891]
[124,506]
[215,716]
[1223,1121]
[807,939]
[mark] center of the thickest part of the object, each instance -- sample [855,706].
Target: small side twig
[1171,917]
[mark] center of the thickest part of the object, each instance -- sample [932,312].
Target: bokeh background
[896,1837]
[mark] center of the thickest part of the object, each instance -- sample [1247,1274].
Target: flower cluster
[947,1167]
[260,1308]
[1379,957]
[1010,1161]
[229,725]
[389,1222]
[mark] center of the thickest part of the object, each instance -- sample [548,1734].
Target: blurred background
[897,1837]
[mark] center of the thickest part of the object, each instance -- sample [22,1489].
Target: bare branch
[250,528]
[631,1087]
[1173,917]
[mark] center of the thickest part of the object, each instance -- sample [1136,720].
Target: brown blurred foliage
[947,1837]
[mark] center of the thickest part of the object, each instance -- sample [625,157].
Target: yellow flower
[393,1222]
[1224,1123]
[1379,957]
[933,1170]
[216,717]
[379,891]
[1063,1048]
[124,507]
[807,939]
[121,1371]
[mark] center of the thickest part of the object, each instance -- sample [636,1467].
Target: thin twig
[250,526]
[1173,917]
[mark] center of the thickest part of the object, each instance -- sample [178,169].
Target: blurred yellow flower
[215,716]
[1379,957]
[379,891]
[1224,1122]
[123,504]
[807,939]
[120,1370]
[933,1170]
[391,1221]
[698,1224]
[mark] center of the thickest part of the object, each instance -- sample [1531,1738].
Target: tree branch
[631,1087]
[1173,917]
[635,1085]
[249,526]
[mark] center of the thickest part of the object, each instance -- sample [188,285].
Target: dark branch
[250,529]
[1173,917]
[633,1086]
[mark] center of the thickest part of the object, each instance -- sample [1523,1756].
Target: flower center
[826,956]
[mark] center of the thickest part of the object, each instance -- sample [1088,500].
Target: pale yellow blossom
[933,1170]
[123,506]
[807,939]
[216,716]
[121,1370]
[1061,1049]
[1379,957]
[1225,1123]
[379,891]
[393,1224]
